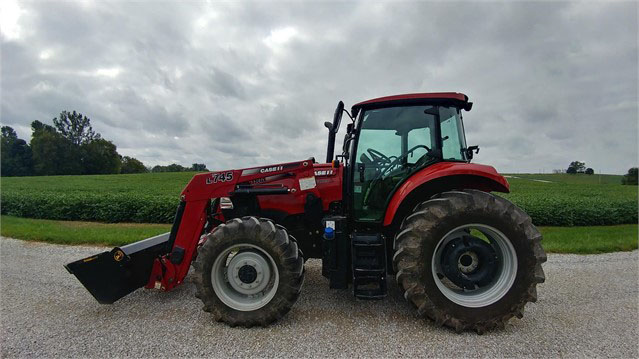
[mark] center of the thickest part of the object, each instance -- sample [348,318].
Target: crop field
[142,198]
[574,200]
[550,199]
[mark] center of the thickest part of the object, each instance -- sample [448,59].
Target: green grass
[69,232]
[590,240]
[580,240]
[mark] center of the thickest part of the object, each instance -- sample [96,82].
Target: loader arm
[162,262]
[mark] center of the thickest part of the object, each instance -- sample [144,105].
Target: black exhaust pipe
[111,275]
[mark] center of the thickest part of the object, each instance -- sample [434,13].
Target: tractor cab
[392,138]
[386,148]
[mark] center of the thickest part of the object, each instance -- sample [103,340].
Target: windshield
[395,141]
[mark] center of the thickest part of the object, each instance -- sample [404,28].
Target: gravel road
[587,307]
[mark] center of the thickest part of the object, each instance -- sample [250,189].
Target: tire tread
[427,215]
[288,258]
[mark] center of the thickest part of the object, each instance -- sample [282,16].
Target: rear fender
[438,178]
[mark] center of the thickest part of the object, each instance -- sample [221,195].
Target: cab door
[391,142]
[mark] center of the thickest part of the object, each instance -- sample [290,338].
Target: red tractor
[402,198]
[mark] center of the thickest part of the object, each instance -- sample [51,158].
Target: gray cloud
[241,84]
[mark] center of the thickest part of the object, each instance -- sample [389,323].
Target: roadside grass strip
[579,240]
[75,232]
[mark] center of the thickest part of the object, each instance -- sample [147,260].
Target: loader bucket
[111,275]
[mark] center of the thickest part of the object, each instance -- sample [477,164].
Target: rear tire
[469,260]
[249,272]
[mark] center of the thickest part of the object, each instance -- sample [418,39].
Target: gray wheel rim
[500,285]
[234,292]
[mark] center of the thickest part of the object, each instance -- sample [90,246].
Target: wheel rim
[244,277]
[474,274]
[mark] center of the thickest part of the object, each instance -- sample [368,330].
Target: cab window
[453,140]
[392,141]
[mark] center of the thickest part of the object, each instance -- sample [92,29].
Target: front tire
[249,272]
[469,260]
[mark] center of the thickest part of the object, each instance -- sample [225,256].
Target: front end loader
[402,199]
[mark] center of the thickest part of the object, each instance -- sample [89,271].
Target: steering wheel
[389,166]
[397,160]
[378,156]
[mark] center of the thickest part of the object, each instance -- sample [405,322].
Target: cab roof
[454,98]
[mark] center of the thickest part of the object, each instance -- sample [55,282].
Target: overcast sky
[237,85]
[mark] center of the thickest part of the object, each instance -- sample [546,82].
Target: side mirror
[332,130]
[337,117]
[469,151]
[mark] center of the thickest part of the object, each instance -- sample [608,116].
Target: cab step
[369,266]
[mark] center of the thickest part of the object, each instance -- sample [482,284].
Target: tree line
[579,167]
[69,147]
[575,167]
